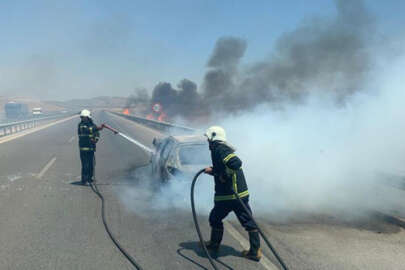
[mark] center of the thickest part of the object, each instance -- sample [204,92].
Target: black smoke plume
[322,55]
[182,101]
[219,81]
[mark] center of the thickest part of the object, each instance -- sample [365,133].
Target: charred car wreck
[177,156]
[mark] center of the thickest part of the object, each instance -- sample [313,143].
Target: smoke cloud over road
[320,158]
[319,125]
[311,158]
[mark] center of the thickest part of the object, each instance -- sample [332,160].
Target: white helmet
[85,113]
[216,133]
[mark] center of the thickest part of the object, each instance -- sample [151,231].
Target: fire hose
[197,226]
[107,228]
[108,127]
[95,189]
[132,260]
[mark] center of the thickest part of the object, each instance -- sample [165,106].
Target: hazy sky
[77,49]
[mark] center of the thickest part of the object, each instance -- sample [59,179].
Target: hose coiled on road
[115,241]
[279,259]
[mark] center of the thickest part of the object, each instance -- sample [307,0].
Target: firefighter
[228,175]
[88,137]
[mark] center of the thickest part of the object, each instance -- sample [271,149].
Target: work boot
[216,238]
[254,253]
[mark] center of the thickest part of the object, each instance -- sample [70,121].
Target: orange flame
[126,111]
[162,117]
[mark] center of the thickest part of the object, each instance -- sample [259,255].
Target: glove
[209,171]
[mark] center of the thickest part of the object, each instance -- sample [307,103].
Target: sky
[80,49]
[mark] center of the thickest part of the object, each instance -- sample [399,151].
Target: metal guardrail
[14,127]
[155,124]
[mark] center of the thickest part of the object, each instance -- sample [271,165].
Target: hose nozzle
[108,127]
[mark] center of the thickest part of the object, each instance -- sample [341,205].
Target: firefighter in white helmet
[89,135]
[229,178]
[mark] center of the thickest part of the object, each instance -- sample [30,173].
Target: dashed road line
[46,168]
[265,262]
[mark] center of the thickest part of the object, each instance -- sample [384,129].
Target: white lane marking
[265,262]
[71,139]
[144,147]
[46,168]
[29,131]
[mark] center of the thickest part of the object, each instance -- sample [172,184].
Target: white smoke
[313,158]
[148,196]
[322,158]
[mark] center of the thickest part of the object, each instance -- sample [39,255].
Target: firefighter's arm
[96,134]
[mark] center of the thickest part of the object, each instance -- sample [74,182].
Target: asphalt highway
[48,221]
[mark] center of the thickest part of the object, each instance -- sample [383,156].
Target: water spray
[116,132]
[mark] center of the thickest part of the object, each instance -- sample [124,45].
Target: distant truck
[16,110]
[36,112]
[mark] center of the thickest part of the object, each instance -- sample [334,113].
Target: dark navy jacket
[88,136]
[228,173]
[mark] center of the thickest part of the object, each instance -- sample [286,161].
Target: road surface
[48,221]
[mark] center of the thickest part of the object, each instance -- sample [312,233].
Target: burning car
[179,156]
[157,113]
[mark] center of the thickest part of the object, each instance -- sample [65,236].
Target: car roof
[190,139]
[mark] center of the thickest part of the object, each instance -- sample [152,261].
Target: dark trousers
[222,208]
[87,158]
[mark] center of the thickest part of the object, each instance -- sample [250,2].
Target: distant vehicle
[16,110]
[179,156]
[36,111]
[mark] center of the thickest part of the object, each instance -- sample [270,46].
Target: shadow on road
[77,183]
[196,248]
